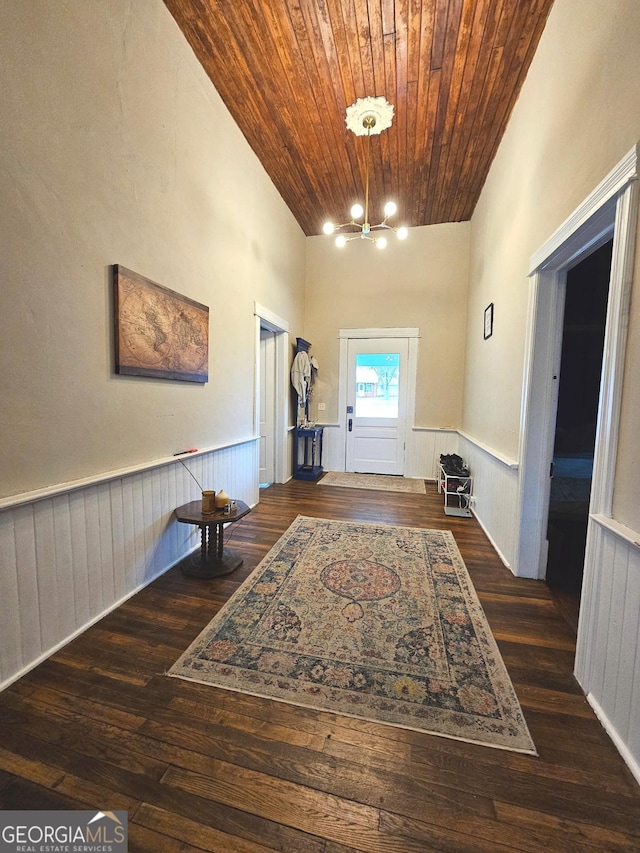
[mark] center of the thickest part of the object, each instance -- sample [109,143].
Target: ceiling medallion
[367,117]
[367,110]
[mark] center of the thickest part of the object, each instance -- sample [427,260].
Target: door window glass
[377,376]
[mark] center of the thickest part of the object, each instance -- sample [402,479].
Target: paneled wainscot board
[72,554]
[495,486]
[608,648]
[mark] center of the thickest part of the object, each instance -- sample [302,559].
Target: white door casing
[611,209]
[267,407]
[266,319]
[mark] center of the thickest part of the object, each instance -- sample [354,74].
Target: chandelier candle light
[366,117]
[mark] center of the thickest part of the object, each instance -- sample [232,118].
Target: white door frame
[266,319]
[344,335]
[611,209]
[266,405]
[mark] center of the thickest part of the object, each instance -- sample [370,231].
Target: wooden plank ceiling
[288,69]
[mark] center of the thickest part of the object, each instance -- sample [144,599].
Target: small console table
[307,461]
[212,560]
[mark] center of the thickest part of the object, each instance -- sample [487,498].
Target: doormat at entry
[380,482]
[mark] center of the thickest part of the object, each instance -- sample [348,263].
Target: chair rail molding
[73,553]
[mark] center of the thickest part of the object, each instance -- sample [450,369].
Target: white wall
[420,282]
[577,116]
[116,148]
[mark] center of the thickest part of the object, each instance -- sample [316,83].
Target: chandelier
[367,117]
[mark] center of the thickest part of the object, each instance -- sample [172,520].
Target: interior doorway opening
[584,322]
[271,399]
[267,403]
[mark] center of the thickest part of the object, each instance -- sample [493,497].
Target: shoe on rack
[453,465]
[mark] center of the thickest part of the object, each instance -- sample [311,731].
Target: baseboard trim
[610,729]
[46,655]
[493,543]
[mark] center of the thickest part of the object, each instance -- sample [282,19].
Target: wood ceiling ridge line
[441,15]
[451,38]
[320,83]
[390,87]
[379,42]
[520,70]
[357,45]
[370,35]
[280,139]
[428,81]
[455,175]
[333,33]
[515,74]
[282,88]
[318,163]
[218,81]
[465,45]
[367,36]
[287,72]
[398,60]
[206,52]
[423,201]
[472,174]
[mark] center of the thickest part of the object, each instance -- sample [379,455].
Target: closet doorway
[267,404]
[271,396]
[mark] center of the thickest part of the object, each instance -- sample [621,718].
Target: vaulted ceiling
[288,69]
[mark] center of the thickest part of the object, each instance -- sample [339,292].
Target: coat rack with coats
[307,451]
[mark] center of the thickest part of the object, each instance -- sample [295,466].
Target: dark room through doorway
[585,313]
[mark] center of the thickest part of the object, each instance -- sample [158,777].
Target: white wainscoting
[608,648]
[332,447]
[495,477]
[69,557]
[495,489]
[424,449]
[289,451]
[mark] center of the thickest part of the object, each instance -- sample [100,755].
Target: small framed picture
[488,321]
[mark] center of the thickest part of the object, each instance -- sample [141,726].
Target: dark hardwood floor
[99,726]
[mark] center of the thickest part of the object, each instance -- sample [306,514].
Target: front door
[376,405]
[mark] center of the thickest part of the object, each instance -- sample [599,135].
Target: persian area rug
[373,621]
[380,482]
